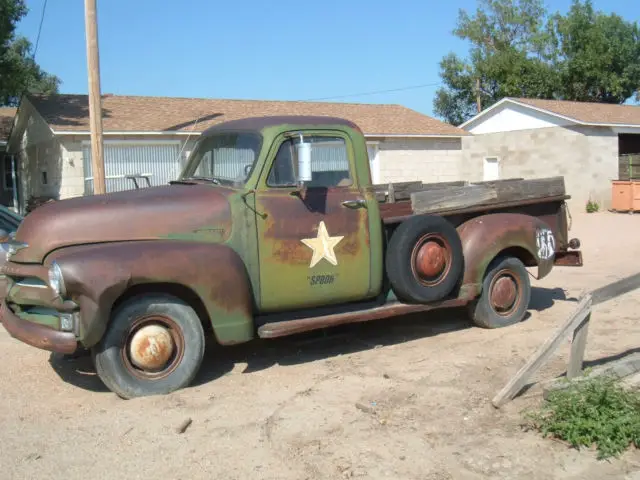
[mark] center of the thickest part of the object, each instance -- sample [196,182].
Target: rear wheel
[154,345]
[505,296]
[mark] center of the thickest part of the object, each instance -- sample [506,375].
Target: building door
[374,162]
[491,169]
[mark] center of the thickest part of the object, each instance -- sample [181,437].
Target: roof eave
[126,132]
[418,135]
[483,113]
[182,133]
[547,112]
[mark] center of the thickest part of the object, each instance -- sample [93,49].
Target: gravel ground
[407,398]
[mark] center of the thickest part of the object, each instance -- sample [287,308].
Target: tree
[19,73]
[517,50]
[598,55]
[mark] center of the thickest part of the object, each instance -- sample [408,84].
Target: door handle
[359,203]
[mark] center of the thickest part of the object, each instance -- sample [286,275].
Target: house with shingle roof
[154,135]
[590,144]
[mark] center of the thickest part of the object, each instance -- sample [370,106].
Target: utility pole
[478,99]
[95,108]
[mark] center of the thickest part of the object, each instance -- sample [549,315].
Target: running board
[291,327]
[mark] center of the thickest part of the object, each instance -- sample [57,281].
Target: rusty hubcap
[504,292]
[431,259]
[153,347]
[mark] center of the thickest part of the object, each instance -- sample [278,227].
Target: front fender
[484,237]
[96,275]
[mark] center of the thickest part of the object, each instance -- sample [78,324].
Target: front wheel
[505,296]
[154,345]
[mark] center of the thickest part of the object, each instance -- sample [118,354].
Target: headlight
[56,282]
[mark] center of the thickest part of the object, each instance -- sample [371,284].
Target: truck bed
[401,200]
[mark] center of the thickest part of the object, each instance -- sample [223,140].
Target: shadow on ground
[262,354]
[599,362]
[545,298]
[77,371]
[324,344]
[308,347]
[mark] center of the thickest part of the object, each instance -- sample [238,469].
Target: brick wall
[428,160]
[586,156]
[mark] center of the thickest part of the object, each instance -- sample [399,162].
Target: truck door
[314,242]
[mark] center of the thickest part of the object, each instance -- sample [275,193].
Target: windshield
[225,158]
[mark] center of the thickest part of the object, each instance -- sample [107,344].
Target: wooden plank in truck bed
[512,192]
[485,193]
[400,191]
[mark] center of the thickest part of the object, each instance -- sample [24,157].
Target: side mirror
[303,151]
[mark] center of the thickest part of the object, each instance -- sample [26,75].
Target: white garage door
[158,160]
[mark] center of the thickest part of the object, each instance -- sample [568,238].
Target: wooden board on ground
[577,325]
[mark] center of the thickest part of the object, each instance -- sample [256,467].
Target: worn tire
[509,271]
[408,274]
[115,366]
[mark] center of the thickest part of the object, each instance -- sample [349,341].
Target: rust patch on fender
[223,288]
[485,236]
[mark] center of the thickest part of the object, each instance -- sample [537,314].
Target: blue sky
[285,50]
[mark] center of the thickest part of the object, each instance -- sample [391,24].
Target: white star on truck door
[322,246]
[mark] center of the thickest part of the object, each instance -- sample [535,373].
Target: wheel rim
[505,292]
[431,259]
[153,347]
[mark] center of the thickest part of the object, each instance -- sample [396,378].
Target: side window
[283,171]
[329,163]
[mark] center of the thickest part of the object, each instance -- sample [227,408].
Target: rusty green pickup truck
[272,228]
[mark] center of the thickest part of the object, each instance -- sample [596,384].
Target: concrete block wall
[428,160]
[587,157]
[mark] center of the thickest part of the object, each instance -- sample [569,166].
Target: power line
[375,92]
[35,48]
[25,87]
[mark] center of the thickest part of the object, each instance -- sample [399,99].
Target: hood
[142,214]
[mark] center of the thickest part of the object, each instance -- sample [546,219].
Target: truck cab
[307,204]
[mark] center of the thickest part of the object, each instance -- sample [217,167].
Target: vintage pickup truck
[272,228]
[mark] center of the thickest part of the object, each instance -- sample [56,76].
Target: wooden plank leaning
[577,325]
[543,353]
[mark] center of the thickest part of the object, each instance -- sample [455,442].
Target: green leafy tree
[19,73]
[517,50]
[598,56]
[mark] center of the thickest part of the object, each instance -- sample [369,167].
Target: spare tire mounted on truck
[424,259]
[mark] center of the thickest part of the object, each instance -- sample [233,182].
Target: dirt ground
[407,398]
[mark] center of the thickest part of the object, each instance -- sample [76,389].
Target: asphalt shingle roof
[65,112]
[588,112]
